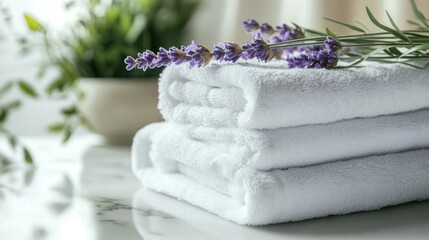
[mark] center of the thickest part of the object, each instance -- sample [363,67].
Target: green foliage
[6,107]
[96,45]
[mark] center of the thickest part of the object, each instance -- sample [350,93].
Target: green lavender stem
[360,37]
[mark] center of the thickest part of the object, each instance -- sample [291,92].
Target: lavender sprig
[299,51]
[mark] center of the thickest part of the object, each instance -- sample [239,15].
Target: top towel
[269,95]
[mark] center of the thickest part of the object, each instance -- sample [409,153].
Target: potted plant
[106,97]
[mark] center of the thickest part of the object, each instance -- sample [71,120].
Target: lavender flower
[332,44]
[295,33]
[282,29]
[130,62]
[145,60]
[199,55]
[233,52]
[266,28]
[319,57]
[285,34]
[258,49]
[228,52]
[219,51]
[162,59]
[251,25]
[176,55]
[141,62]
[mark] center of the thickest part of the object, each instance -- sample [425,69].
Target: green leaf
[385,28]
[69,111]
[363,26]
[42,71]
[314,32]
[33,24]
[358,29]
[414,49]
[12,141]
[3,115]
[395,51]
[397,29]
[330,33]
[56,85]
[419,15]
[415,24]
[364,57]
[11,105]
[388,52]
[27,89]
[58,127]
[6,88]
[27,156]
[68,131]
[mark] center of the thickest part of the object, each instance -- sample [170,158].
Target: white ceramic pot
[117,108]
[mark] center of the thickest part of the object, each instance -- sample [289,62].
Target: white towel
[293,146]
[268,95]
[247,196]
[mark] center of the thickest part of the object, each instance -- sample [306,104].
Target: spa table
[86,190]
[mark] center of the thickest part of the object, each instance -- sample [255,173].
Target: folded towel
[247,196]
[293,146]
[157,215]
[268,95]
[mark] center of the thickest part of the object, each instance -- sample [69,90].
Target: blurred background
[211,22]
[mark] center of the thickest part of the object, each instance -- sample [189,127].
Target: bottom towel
[252,197]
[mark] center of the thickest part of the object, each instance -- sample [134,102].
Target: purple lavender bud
[199,55]
[130,62]
[141,62]
[258,49]
[282,29]
[218,51]
[150,57]
[251,25]
[233,52]
[176,55]
[295,33]
[145,60]
[331,44]
[162,59]
[274,39]
[313,59]
[266,28]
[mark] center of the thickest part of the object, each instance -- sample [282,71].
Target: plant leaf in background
[419,15]
[27,156]
[27,89]
[354,28]
[57,127]
[32,23]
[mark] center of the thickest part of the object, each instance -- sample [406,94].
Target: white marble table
[101,199]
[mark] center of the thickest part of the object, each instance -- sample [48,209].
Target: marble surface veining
[86,190]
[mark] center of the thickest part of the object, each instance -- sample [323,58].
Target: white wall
[217,20]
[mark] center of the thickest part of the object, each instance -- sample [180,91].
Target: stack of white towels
[260,144]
